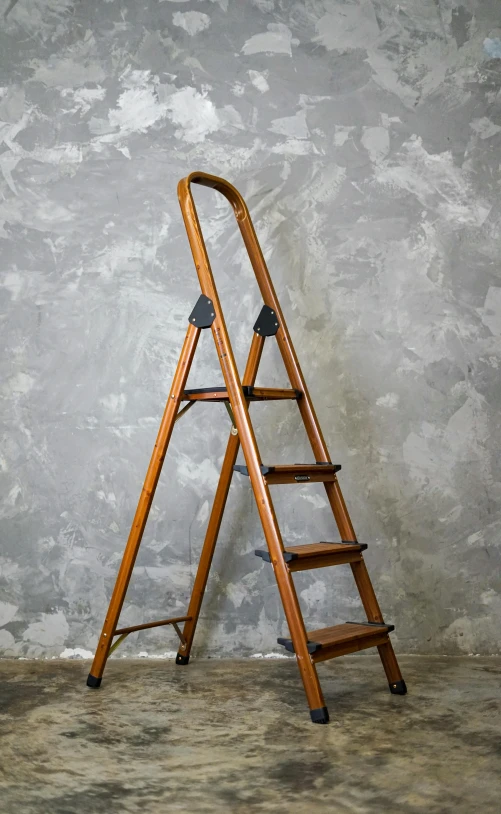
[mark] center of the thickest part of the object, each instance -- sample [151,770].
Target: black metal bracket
[311,646]
[203,314]
[265,555]
[363,546]
[265,470]
[289,556]
[267,322]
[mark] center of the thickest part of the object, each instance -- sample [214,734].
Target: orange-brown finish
[218,507]
[145,501]
[347,632]
[148,625]
[339,640]
[321,555]
[350,646]
[310,563]
[239,405]
[258,394]
[373,611]
[272,394]
[309,550]
[300,474]
[242,434]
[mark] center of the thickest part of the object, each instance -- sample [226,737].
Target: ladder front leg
[143,507]
[308,671]
[365,589]
[396,682]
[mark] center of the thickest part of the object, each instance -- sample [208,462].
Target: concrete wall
[366,138]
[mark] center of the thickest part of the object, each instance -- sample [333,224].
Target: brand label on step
[301,477]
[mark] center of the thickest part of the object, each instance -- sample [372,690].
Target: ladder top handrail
[217,183]
[256,257]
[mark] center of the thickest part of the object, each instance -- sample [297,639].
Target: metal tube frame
[245,437]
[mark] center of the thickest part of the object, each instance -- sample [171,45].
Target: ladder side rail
[144,505]
[248,441]
[267,289]
[296,378]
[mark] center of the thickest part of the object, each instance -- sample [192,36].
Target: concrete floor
[236,736]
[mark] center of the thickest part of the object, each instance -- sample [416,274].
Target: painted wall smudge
[366,138]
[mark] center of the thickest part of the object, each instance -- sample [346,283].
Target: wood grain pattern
[335,640]
[320,549]
[338,634]
[293,473]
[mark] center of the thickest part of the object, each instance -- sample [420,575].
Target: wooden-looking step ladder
[309,647]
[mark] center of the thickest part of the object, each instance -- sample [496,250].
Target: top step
[251,393]
[296,473]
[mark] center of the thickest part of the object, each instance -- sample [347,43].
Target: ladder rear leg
[209,546]
[211,535]
[143,507]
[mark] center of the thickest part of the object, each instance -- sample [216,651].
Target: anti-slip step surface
[251,393]
[296,473]
[340,635]
[315,551]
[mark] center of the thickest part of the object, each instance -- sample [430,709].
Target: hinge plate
[267,322]
[203,314]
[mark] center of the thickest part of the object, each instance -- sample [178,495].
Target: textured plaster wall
[366,138]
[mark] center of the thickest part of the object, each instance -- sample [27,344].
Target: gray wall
[366,138]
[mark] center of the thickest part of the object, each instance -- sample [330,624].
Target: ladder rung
[296,473]
[318,555]
[339,640]
[152,624]
[251,393]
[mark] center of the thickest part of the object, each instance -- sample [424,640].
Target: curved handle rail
[219,184]
[264,282]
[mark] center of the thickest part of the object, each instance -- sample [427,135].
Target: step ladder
[309,647]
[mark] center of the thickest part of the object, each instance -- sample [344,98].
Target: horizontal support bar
[250,392]
[183,410]
[152,624]
[118,642]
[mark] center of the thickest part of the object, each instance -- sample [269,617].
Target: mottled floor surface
[235,736]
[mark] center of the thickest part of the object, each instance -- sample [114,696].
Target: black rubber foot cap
[320,716]
[93,682]
[182,659]
[398,688]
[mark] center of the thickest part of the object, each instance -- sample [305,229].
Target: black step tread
[298,552]
[340,634]
[292,469]
[250,392]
